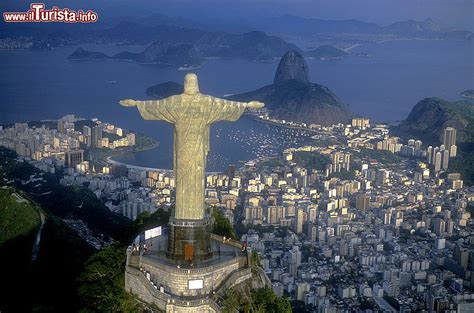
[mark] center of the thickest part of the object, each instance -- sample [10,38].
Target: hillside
[414,28]
[430,116]
[53,253]
[188,47]
[61,253]
[179,55]
[18,216]
[301,26]
[164,90]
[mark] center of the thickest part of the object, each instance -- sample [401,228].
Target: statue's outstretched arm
[228,110]
[152,109]
[250,105]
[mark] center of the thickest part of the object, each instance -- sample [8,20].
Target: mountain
[179,55]
[293,97]
[18,217]
[360,31]
[165,90]
[58,256]
[413,28]
[427,121]
[254,46]
[292,66]
[81,54]
[45,254]
[430,116]
[188,47]
[326,52]
[287,24]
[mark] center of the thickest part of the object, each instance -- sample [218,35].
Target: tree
[222,226]
[101,283]
[254,259]
[231,301]
[265,300]
[260,300]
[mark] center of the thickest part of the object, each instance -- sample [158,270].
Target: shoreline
[109,160]
[282,125]
[348,49]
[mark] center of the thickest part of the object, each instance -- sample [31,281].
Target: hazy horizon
[453,14]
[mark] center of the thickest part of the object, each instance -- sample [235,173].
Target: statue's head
[191,85]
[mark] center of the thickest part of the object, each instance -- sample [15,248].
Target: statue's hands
[255,105]
[128,103]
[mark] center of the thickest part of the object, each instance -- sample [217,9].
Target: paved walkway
[36,245]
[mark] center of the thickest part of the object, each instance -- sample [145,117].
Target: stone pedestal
[189,240]
[161,283]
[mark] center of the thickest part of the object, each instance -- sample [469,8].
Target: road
[36,245]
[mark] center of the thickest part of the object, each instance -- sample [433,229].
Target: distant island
[181,55]
[326,52]
[190,53]
[81,54]
[467,94]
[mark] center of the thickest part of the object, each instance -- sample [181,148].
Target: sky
[448,13]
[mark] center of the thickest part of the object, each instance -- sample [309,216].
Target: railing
[166,298]
[231,242]
[234,276]
[148,285]
[170,268]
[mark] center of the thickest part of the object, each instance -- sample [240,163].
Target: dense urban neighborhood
[356,219]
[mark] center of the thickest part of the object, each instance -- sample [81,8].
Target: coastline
[144,143]
[348,49]
[109,160]
[145,168]
[257,118]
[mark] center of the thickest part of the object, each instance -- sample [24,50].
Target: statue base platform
[164,284]
[189,240]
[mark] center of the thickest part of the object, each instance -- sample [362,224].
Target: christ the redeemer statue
[191,114]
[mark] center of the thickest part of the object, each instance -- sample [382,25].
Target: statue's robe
[191,116]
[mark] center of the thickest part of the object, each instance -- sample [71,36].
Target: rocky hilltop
[430,116]
[292,66]
[293,97]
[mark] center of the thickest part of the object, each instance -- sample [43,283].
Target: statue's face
[191,85]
